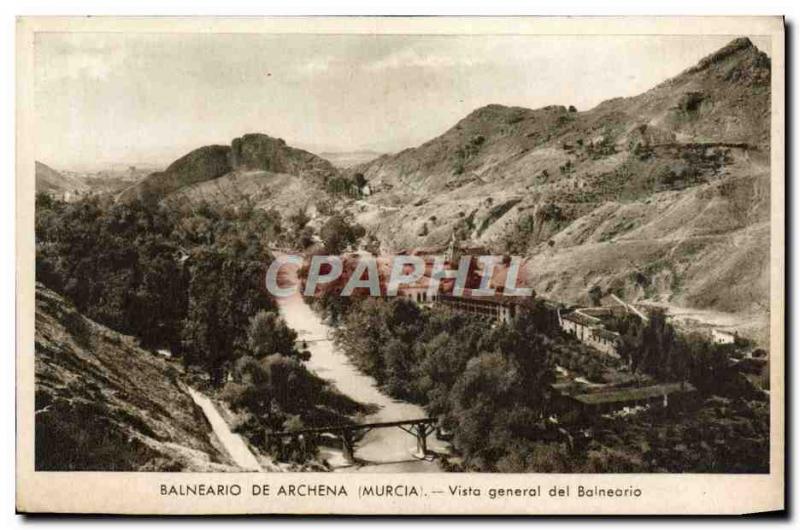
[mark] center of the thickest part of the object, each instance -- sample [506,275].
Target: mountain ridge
[660,197]
[48,180]
[250,152]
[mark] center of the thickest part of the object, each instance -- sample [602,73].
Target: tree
[268,334]
[299,219]
[488,385]
[359,180]
[400,369]
[339,232]
[205,335]
[224,293]
[159,303]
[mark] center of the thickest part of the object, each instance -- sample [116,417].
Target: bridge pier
[421,432]
[422,440]
[348,448]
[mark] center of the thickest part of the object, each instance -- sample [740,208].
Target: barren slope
[103,404]
[251,152]
[661,197]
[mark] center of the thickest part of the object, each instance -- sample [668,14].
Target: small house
[722,337]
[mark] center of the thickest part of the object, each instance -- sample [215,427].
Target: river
[381,450]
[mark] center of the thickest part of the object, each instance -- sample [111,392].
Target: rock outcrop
[251,152]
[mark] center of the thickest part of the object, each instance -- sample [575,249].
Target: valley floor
[381,450]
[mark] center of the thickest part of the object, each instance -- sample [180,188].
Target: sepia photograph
[328,251]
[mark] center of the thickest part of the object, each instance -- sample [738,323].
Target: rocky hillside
[250,153]
[48,180]
[724,98]
[103,404]
[661,197]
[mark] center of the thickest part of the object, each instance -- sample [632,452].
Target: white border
[296,7]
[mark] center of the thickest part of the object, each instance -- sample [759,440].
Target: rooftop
[579,319]
[634,394]
[496,299]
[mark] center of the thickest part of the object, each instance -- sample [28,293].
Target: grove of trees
[656,349]
[190,280]
[186,281]
[488,384]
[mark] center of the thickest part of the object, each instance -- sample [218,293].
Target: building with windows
[589,330]
[610,399]
[500,308]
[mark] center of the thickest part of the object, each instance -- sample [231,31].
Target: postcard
[430,266]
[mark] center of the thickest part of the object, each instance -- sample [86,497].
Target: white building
[722,337]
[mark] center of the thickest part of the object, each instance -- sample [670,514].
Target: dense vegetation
[275,391]
[656,349]
[490,386]
[187,281]
[190,281]
[721,435]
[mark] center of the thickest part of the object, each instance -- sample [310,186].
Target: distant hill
[251,152]
[202,164]
[48,180]
[104,404]
[662,197]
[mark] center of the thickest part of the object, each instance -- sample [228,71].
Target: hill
[104,404]
[661,197]
[725,99]
[251,152]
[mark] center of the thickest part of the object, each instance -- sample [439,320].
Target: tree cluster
[656,349]
[488,384]
[190,280]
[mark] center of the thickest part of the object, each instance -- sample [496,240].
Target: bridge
[420,428]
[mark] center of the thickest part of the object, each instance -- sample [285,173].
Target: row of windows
[586,335]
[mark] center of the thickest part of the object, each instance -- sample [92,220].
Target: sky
[104,98]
